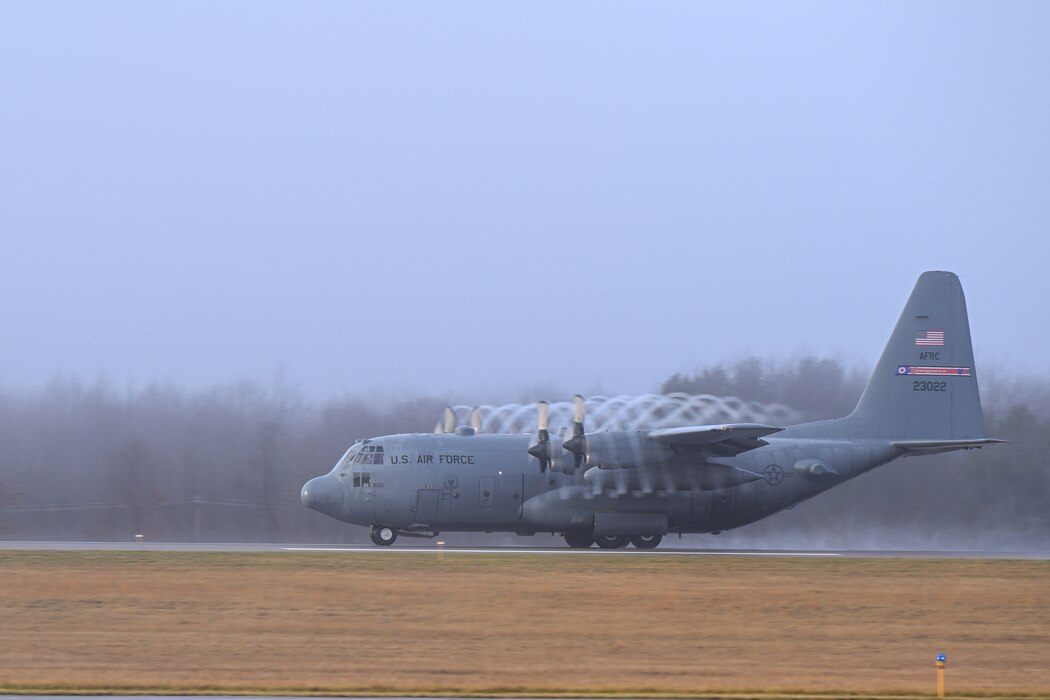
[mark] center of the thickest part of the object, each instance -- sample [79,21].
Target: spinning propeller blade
[541,449]
[577,444]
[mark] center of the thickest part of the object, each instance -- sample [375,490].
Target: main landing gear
[582,540]
[646,541]
[383,536]
[578,540]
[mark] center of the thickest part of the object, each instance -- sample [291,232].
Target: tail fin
[924,388]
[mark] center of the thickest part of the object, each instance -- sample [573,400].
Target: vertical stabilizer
[925,384]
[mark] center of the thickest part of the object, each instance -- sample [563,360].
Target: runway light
[942,661]
[441,550]
[139,536]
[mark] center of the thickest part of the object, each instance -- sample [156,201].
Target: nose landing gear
[383,536]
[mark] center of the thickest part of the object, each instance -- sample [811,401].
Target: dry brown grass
[472,623]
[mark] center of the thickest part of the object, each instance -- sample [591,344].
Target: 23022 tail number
[929,386]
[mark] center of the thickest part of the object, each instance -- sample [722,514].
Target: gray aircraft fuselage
[448,482]
[620,486]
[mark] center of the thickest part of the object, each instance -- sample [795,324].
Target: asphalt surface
[222,697]
[227,697]
[431,547]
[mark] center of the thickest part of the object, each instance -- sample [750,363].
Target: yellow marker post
[941,661]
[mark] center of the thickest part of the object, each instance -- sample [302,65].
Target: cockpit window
[370,454]
[348,457]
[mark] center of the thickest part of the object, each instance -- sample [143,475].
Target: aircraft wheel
[646,541]
[578,540]
[383,536]
[611,542]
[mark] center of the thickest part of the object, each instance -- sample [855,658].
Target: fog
[237,236]
[86,461]
[438,199]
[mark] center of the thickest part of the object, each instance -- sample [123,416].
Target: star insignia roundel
[774,474]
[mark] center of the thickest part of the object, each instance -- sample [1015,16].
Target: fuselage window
[362,478]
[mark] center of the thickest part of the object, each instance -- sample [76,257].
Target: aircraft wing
[724,440]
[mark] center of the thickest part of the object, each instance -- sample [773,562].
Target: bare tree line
[85,461]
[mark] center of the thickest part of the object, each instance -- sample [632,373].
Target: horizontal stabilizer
[724,440]
[929,447]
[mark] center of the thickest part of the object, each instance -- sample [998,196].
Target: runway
[434,548]
[258,697]
[240,697]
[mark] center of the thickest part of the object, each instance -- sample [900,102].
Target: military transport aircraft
[622,487]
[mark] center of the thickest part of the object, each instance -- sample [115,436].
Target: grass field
[363,623]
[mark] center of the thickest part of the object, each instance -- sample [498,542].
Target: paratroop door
[426,505]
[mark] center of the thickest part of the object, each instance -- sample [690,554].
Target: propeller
[642,467]
[541,449]
[577,444]
[475,420]
[450,420]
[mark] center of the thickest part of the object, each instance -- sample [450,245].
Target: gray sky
[454,197]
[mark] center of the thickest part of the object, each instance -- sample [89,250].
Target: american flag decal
[929,337]
[937,371]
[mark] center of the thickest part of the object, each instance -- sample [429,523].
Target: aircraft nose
[323,494]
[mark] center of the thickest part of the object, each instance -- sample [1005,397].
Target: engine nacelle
[620,449]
